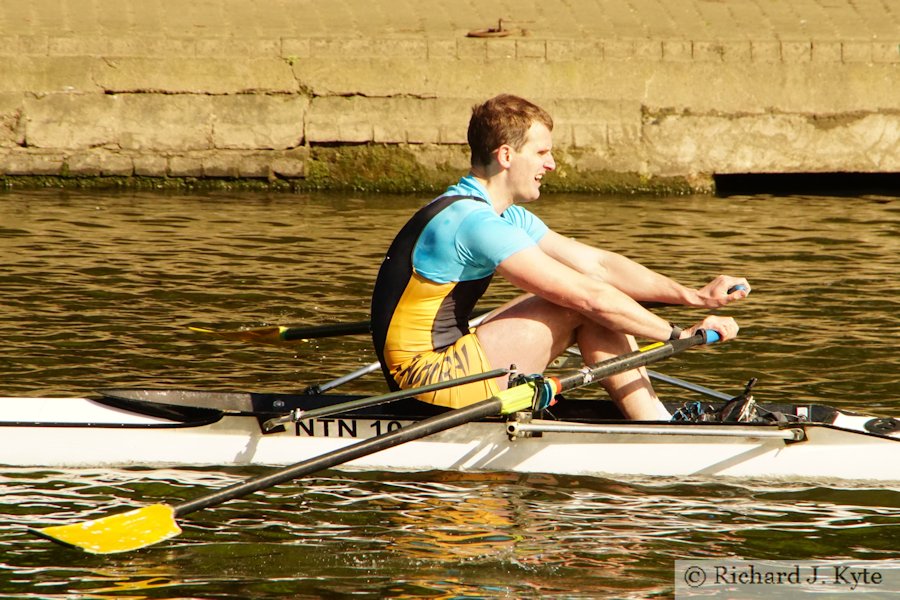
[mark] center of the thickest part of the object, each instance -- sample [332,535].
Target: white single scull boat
[157,428]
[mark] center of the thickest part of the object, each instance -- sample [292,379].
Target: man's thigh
[528,332]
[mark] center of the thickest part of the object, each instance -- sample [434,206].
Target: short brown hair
[504,119]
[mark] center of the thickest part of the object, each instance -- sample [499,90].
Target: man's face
[529,164]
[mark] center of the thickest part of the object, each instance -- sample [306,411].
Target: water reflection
[433,534]
[98,291]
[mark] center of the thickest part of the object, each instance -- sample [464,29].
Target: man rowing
[443,259]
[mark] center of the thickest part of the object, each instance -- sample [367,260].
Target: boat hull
[85,433]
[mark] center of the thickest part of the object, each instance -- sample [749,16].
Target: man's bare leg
[529,332]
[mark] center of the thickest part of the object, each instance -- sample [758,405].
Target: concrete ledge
[653,95]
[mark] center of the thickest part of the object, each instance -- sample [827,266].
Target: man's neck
[498,196]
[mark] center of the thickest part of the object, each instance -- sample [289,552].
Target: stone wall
[390,112]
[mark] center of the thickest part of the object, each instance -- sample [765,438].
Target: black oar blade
[121,532]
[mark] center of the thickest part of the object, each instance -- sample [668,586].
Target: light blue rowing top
[467,240]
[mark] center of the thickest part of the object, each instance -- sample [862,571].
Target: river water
[98,290]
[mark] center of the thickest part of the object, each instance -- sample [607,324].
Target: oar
[149,525]
[279,334]
[276,334]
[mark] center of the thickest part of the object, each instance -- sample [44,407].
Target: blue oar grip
[736,288]
[710,336]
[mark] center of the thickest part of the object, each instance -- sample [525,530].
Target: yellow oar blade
[132,530]
[259,335]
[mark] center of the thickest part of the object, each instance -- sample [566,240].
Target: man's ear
[504,155]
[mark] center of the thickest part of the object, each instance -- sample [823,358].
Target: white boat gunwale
[74,433]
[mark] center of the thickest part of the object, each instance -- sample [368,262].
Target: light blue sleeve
[467,240]
[486,240]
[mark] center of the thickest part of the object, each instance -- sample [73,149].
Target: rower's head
[511,139]
[502,120]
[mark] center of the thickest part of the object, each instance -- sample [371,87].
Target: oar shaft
[634,360]
[322,331]
[438,423]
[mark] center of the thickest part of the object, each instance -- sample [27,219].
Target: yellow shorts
[464,357]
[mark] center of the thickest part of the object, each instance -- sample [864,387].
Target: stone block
[71,121]
[46,75]
[244,48]
[129,121]
[574,50]
[500,49]
[796,51]
[99,162]
[618,49]
[254,121]
[20,161]
[856,52]
[333,119]
[388,120]
[423,133]
[775,143]
[185,166]
[389,132]
[24,45]
[12,129]
[295,49]
[151,46]
[826,52]
[709,51]
[886,52]
[472,49]
[256,165]
[369,48]
[221,164]
[737,51]
[180,75]
[150,165]
[531,49]
[651,50]
[290,164]
[78,45]
[765,51]
[677,50]
[83,164]
[593,135]
[117,164]
[441,49]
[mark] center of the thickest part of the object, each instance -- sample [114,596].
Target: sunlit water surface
[98,290]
